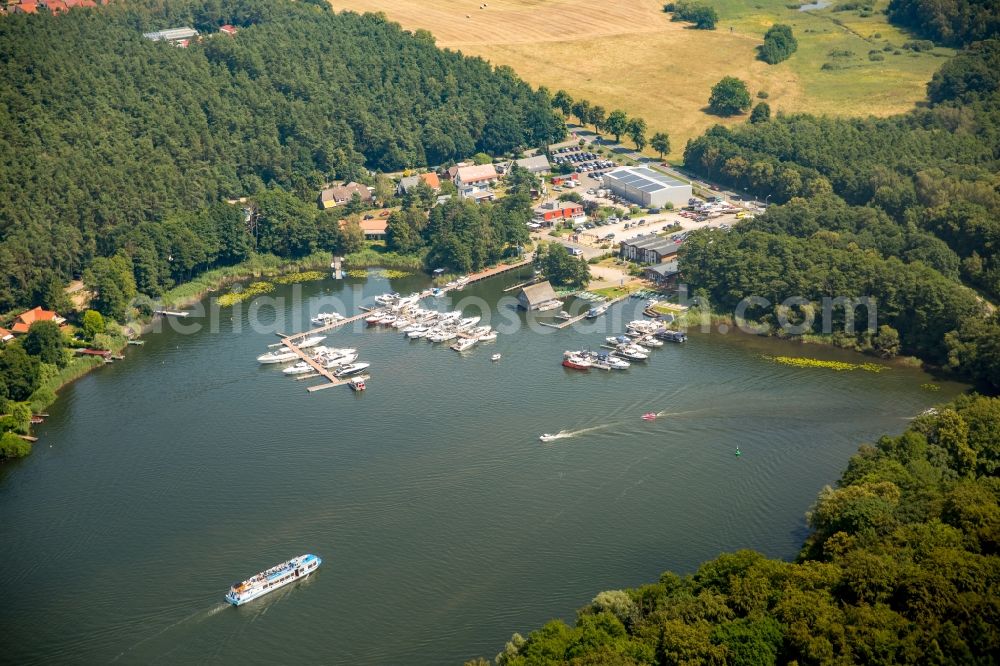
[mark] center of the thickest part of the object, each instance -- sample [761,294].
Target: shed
[535,164]
[535,295]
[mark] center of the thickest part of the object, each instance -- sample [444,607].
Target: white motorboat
[464,344]
[495,357]
[374,317]
[351,369]
[548,437]
[324,318]
[467,323]
[387,299]
[488,337]
[418,332]
[340,361]
[618,363]
[299,368]
[308,342]
[630,352]
[282,355]
[650,341]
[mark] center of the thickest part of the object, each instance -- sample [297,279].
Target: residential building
[342,194]
[228,30]
[535,295]
[409,182]
[171,35]
[535,164]
[550,213]
[477,194]
[477,175]
[664,274]
[23,321]
[647,188]
[26,7]
[649,250]
[5,335]
[374,229]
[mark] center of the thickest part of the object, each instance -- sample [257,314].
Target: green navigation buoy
[738,452]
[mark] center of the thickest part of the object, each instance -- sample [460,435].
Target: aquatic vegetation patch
[238,296]
[387,273]
[930,387]
[837,366]
[305,276]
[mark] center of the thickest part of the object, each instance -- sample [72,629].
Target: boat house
[534,296]
[665,274]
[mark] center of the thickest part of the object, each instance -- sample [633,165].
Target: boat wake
[566,434]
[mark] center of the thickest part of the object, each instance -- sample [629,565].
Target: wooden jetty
[572,320]
[172,313]
[338,381]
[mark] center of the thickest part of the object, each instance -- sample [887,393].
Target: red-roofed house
[228,30]
[374,229]
[26,7]
[23,321]
[5,335]
[57,6]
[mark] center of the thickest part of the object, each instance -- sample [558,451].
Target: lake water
[445,525]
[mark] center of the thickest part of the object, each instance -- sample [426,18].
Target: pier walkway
[572,320]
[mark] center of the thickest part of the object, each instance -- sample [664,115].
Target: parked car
[576,252]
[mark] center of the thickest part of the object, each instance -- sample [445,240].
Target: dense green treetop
[105,131]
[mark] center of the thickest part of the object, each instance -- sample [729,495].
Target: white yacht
[351,369]
[324,318]
[463,344]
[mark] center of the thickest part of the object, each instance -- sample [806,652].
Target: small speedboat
[548,438]
[495,357]
[649,416]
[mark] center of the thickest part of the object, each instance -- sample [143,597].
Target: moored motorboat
[324,318]
[671,336]
[594,313]
[488,337]
[272,579]
[464,344]
[282,355]
[576,363]
[352,369]
[357,384]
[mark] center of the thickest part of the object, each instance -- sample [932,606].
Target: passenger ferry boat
[272,579]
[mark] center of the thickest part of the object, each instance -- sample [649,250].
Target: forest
[900,567]
[117,145]
[950,22]
[902,209]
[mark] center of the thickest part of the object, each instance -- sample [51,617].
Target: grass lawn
[627,54]
[614,292]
